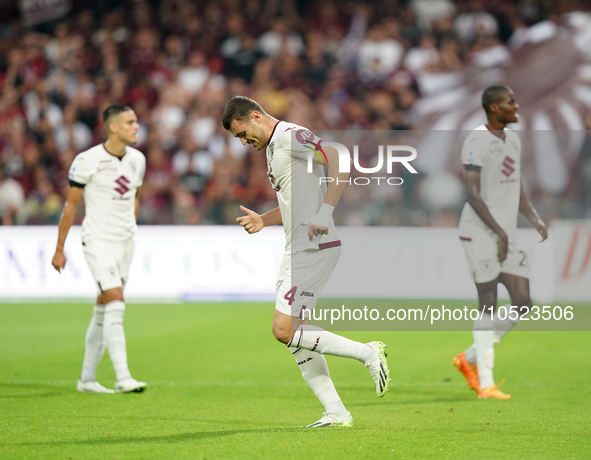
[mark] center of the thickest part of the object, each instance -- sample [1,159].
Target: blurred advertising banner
[182,263]
[174,263]
[39,11]
[573,260]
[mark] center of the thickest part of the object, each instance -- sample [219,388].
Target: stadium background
[392,65]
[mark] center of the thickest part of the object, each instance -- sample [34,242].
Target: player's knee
[523,300]
[281,333]
[112,294]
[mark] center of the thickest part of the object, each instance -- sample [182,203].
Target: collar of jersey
[112,154]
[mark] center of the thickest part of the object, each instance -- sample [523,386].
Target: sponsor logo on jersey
[122,182]
[306,294]
[106,169]
[508,168]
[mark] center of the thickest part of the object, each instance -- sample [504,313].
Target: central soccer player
[312,248]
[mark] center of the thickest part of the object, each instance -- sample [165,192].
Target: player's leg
[316,339]
[518,287]
[315,372]
[515,277]
[477,362]
[312,270]
[115,341]
[312,365]
[483,333]
[114,314]
[93,351]
[99,259]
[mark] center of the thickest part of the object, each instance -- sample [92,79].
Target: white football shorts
[109,263]
[482,254]
[302,277]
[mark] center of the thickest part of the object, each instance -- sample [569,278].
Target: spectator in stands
[12,198]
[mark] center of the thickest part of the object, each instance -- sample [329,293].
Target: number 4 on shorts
[290,295]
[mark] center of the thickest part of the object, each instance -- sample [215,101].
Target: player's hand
[58,261]
[320,222]
[542,229]
[503,245]
[315,229]
[318,225]
[252,222]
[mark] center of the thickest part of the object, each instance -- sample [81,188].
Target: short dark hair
[113,110]
[239,108]
[493,95]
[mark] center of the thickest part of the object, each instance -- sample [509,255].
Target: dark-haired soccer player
[491,156]
[312,248]
[109,176]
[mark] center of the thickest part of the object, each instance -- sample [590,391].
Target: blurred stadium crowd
[328,65]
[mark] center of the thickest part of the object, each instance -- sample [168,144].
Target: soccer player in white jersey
[109,176]
[312,249]
[491,156]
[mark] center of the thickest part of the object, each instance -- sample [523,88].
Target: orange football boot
[470,371]
[492,393]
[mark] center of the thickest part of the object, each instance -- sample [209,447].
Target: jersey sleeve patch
[473,150]
[80,171]
[304,143]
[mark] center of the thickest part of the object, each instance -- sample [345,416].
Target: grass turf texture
[221,387]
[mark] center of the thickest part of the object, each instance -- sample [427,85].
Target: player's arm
[67,219]
[527,209]
[253,222]
[335,185]
[472,182]
[137,204]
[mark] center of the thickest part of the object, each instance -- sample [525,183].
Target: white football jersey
[500,179]
[110,185]
[299,193]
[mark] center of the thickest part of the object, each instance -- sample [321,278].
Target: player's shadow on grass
[398,396]
[414,401]
[32,390]
[155,439]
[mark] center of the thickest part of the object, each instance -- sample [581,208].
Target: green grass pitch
[221,387]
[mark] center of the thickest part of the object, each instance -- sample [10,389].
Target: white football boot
[92,387]
[332,420]
[378,368]
[130,385]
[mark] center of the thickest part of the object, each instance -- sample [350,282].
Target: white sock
[326,343]
[315,373]
[471,353]
[485,354]
[95,344]
[501,327]
[115,338]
